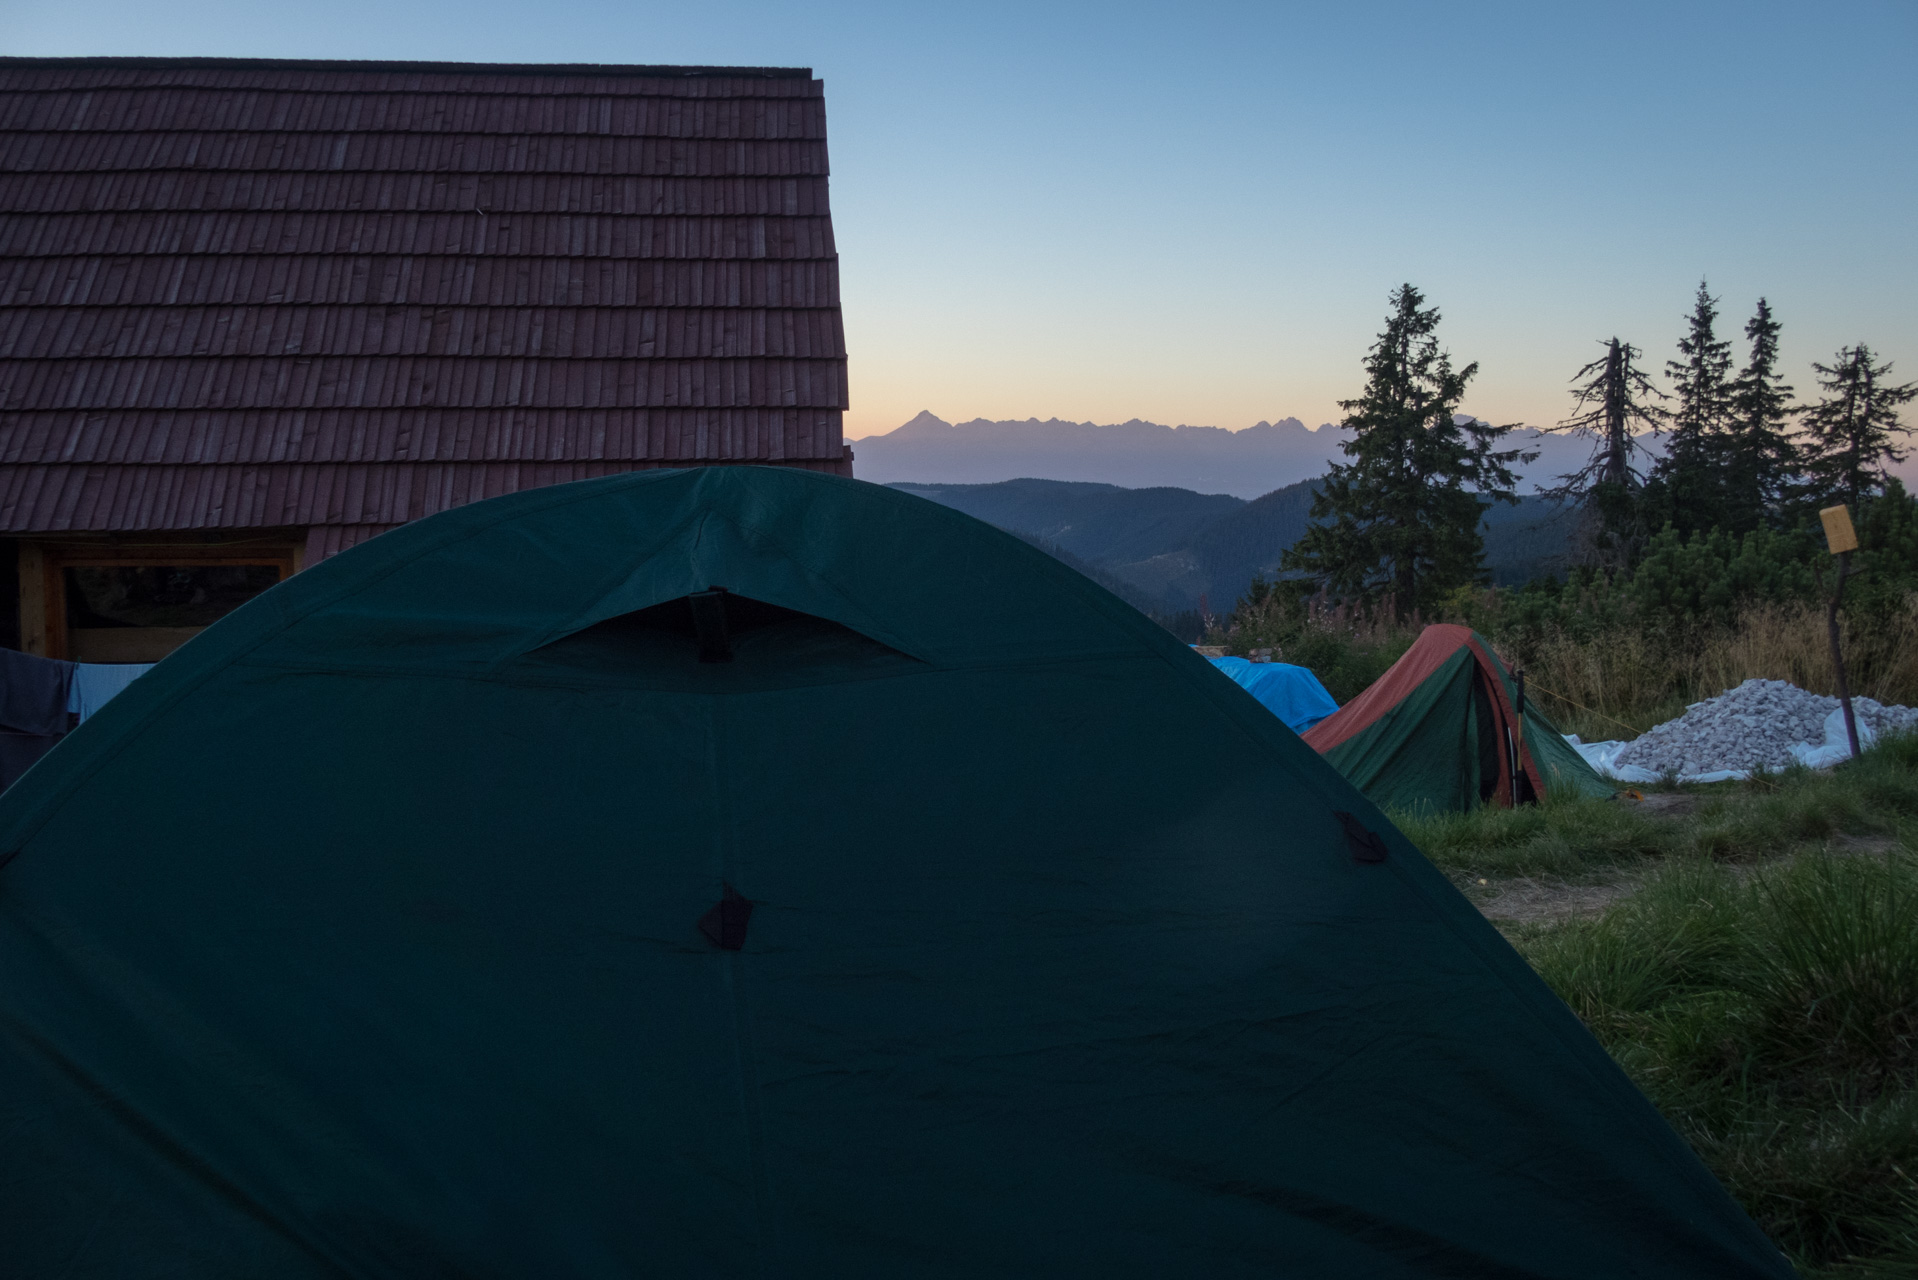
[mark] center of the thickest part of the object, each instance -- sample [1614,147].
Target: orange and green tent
[1442,731]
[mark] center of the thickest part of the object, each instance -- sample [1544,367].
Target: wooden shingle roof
[345,295]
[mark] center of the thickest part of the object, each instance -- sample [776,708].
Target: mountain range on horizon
[1246,464]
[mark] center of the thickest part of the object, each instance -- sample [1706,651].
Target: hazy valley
[1163,548]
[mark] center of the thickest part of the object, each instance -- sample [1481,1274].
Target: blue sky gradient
[1194,212]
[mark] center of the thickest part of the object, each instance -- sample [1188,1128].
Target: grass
[1760,985]
[1774,1020]
[1571,835]
[1567,836]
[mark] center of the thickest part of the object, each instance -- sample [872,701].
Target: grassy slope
[1759,980]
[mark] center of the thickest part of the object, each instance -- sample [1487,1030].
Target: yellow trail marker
[1839,535]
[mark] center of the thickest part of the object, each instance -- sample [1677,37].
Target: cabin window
[103,599]
[141,613]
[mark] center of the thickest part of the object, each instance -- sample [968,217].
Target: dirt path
[1526,900]
[1548,900]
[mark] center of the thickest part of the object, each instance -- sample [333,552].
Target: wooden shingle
[341,296]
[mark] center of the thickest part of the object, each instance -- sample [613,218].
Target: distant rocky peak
[926,423]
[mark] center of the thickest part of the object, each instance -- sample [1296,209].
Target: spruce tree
[1851,434]
[1614,402]
[1686,488]
[1402,517]
[1759,455]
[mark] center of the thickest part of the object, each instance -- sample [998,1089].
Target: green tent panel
[442,912]
[1440,732]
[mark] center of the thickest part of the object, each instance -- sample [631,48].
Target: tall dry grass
[1626,680]
[1616,683]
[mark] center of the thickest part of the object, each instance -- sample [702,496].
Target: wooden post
[1843,540]
[33,599]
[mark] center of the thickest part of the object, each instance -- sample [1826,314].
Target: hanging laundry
[34,693]
[94,683]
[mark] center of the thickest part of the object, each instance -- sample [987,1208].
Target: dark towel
[33,709]
[33,693]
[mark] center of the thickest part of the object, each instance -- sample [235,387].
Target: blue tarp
[1293,694]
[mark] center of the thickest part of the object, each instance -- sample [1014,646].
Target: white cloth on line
[94,683]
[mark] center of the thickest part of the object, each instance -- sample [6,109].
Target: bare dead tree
[1613,403]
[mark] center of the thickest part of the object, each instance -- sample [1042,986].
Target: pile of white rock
[1762,724]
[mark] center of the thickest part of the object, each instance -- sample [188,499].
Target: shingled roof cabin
[255,312]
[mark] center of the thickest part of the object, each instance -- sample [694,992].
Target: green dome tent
[442,912]
[1442,731]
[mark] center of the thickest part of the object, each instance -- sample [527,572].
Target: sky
[1194,212]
